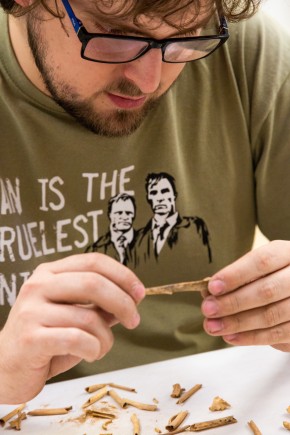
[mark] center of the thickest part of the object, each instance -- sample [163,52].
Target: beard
[113,123]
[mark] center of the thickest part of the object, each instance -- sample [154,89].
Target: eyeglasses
[107,48]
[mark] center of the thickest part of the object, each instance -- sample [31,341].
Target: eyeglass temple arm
[224,24]
[77,24]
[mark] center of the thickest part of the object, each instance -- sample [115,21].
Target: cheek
[64,56]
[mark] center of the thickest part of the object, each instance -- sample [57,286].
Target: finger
[100,264]
[255,264]
[60,364]
[264,291]
[86,319]
[83,288]
[261,318]
[274,336]
[67,341]
[109,318]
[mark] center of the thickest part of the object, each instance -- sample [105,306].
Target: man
[117,242]
[87,111]
[167,230]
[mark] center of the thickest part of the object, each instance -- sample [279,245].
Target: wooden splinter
[128,402]
[100,414]
[11,414]
[175,421]
[169,289]
[100,394]
[176,391]
[252,425]
[49,411]
[136,424]
[96,387]
[197,427]
[106,424]
[189,393]
[16,423]
[204,425]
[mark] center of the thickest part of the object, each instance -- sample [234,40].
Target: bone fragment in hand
[169,289]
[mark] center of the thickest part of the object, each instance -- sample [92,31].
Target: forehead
[148,14]
[160,184]
[121,205]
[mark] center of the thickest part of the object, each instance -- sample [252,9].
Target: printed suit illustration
[118,241]
[163,231]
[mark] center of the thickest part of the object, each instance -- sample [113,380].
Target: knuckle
[106,343]
[276,335]
[233,303]
[237,324]
[271,316]
[92,259]
[264,260]
[30,287]
[41,268]
[88,281]
[71,340]
[27,339]
[268,291]
[87,318]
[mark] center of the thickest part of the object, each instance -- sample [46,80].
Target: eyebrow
[116,26]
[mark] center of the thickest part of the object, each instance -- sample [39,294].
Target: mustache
[125,87]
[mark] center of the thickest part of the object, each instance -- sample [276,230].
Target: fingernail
[216,287]
[232,337]
[209,307]
[214,325]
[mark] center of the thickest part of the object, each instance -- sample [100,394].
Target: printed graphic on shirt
[120,238]
[46,222]
[51,227]
[129,245]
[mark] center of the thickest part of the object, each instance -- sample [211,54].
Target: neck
[19,41]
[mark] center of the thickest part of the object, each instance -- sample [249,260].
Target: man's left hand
[249,300]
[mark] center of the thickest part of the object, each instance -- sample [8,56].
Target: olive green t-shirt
[215,151]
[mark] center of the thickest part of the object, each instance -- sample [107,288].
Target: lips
[126,102]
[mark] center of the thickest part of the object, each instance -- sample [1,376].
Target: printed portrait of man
[165,227]
[120,237]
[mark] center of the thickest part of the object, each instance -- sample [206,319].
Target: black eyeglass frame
[84,37]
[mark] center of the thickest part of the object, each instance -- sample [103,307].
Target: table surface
[254,380]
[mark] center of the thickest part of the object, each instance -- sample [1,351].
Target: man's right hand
[63,314]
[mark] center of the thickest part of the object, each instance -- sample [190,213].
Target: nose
[146,71]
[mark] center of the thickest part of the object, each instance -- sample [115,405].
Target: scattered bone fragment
[219,404]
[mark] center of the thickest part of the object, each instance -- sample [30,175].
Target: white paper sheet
[254,380]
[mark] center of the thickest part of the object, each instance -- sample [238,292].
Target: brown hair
[234,10]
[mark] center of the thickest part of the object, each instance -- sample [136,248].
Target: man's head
[109,99]
[161,193]
[232,9]
[121,212]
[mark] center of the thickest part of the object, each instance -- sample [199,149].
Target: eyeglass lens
[114,50]
[189,50]
[123,50]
